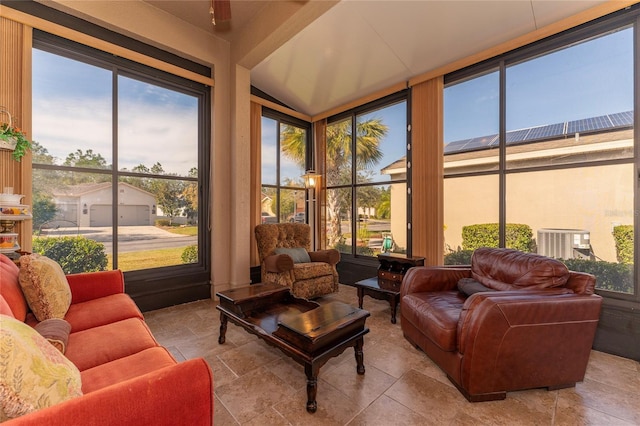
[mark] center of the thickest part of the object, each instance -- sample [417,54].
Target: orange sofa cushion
[125,368]
[99,345]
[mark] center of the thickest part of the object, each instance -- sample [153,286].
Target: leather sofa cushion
[126,368]
[436,315]
[99,345]
[505,269]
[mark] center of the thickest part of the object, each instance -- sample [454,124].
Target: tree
[190,196]
[339,152]
[44,209]
[87,159]
[383,210]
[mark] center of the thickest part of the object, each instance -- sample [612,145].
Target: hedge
[73,254]
[609,275]
[623,236]
[518,236]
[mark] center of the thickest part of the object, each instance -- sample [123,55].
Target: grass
[181,230]
[147,259]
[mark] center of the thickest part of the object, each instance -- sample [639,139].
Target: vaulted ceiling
[357,47]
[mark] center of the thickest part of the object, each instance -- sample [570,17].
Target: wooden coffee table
[306,331]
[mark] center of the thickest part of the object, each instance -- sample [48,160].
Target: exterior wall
[591,198]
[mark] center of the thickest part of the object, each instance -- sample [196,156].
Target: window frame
[156,287]
[583,33]
[352,114]
[280,119]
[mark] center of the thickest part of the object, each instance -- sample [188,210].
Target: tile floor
[256,384]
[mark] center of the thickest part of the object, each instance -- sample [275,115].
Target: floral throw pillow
[44,286]
[33,373]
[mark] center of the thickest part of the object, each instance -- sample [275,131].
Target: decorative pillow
[298,254]
[33,374]
[44,286]
[56,331]
[469,286]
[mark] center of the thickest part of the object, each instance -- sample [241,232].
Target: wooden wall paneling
[256,178]
[427,171]
[15,97]
[320,160]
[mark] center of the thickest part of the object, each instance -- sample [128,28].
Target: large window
[285,156]
[366,167]
[119,162]
[539,155]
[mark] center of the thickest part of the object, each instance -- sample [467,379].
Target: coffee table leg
[312,387]
[394,304]
[360,297]
[223,328]
[359,355]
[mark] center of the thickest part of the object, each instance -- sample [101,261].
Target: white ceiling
[361,46]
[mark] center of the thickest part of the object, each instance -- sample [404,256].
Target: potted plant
[13,139]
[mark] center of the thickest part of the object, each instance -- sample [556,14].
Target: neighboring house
[90,205]
[471,201]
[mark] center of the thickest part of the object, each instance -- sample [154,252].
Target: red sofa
[127,377]
[531,323]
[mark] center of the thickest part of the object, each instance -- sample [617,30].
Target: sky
[586,80]
[72,109]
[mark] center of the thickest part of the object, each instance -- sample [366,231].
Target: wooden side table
[386,286]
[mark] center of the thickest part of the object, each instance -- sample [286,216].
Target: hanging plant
[12,138]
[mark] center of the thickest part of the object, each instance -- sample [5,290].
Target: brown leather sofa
[532,324]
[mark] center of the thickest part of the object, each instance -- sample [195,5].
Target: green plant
[190,254]
[74,254]
[518,236]
[623,236]
[458,257]
[163,222]
[609,275]
[11,135]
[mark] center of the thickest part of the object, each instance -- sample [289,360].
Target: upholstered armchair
[286,259]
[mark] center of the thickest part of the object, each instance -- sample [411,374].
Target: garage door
[127,215]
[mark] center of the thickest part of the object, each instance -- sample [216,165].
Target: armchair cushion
[305,271]
[11,291]
[298,254]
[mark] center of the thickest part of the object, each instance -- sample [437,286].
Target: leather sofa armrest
[93,285]
[330,256]
[525,311]
[278,263]
[432,278]
[175,395]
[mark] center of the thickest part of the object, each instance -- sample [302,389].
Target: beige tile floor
[256,384]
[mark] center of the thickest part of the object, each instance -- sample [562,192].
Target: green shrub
[518,236]
[163,222]
[74,254]
[623,236]
[459,257]
[190,254]
[609,276]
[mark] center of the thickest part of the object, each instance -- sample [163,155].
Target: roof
[87,188]
[603,123]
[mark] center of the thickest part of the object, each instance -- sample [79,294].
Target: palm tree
[369,134]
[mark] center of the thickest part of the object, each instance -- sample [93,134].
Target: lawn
[182,230]
[147,259]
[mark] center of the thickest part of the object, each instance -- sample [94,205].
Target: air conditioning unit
[564,243]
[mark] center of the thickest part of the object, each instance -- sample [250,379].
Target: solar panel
[589,124]
[622,119]
[544,132]
[551,131]
[515,136]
